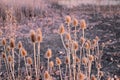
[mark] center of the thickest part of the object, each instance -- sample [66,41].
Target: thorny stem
[12,72]
[60,73]
[26,66]
[13,60]
[19,64]
[35,59]
[48,64]
[38,59]
[63,42]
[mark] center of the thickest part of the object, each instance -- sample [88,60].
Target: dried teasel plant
[58,62]
[83,26]
[12,46]
[33,40]
[51,65]
[68,20]
[39,40]
[10,61]
[81,76]
[24,54]
[30,62]
[48,56]
[19,47]
[46,75]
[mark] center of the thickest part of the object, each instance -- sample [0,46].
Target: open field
[16,21]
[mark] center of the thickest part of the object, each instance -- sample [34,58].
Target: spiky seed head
[87,46]
[68,36]
[46,75]
[68,19]
[97,38]
[12,43]
[4,41]
[29,60]
[89,43]
[58,61]
[82,40]
[33,36]
[23,52]
[67,61]
[93,77]
[67,45]
[3,55]
[10,58]
[101,73]
[81,76]
[1,32]
[75,45]
[83,24]
[8,48]
[75,22]
[84,60]
[49,53]
[39,35]
[77,59]
[19,45]
[51,64]
[108,78]
[99,66]
[61,29]
[91,58]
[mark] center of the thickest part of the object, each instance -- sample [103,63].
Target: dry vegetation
[83,56]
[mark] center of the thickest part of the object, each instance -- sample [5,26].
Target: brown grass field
[59,40]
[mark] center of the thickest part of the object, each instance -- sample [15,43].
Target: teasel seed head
[67,61]
[94,42]
[19,45]
[68,19]
[75,45]
[89,43]
[10,59]
[68,36]
[46,75]
[77,59]
[51,64]
[33,36]
[3,55]
[93,77]
[39,35]
[3,41]
[101,73]
[49,53]
[97,38]
[12,43]
[61,29]
[67,45]
[58,61]
[99,66]
[87,46]
[81,76]
[84,60]
[29,60]
[83,24]
[23,52]
[75,22]
[8,48]
[91,58]
[82,40]
[108,78]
